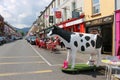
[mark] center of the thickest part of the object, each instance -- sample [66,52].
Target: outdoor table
[109,64]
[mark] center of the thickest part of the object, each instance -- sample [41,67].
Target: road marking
[23,73]
[46,60]
[2,57]
[57,65]
[41,56]
[36,62]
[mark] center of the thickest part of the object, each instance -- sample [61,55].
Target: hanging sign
[58,14]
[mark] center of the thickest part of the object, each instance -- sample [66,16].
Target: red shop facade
[73,25]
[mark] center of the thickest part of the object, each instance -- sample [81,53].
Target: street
[21,61]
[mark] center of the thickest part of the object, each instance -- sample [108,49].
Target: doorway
[106,32]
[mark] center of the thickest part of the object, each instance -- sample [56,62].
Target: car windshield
[33,37]
[0,37]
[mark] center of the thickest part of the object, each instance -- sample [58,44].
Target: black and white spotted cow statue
[83,42]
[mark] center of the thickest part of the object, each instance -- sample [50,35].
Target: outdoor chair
[42,44]
[113,67]
[52,45]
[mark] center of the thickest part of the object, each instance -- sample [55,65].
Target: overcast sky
[22,13]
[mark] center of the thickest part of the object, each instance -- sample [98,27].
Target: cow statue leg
[91,61]
[73,56]
[98,57]
[68,55]
[65,64]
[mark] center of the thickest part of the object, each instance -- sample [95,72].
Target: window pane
[96,6]
[95,1]
[96,9]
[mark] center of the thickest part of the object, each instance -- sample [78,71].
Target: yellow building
[99,17]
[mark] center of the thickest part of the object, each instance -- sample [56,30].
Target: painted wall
[106,8]
[117,23]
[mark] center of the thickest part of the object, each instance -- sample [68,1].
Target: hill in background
[23,30]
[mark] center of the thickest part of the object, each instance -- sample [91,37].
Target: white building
[69,12]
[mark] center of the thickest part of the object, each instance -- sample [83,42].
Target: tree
[22,33]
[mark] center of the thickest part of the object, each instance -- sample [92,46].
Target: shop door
[107,38]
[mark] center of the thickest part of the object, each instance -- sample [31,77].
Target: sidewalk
[81,57]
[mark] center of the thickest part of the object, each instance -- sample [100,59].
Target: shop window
[95,6]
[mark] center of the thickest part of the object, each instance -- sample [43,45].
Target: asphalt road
[21,61]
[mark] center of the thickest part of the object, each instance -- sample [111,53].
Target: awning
[78,21]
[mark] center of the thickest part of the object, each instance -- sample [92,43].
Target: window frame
[95,6]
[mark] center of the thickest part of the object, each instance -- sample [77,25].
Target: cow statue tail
[98,47]
[98,42]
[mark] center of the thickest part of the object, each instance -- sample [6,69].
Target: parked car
[1,40]
[28,38]
[32,40]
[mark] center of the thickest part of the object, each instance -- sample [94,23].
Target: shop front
[102,26]
[73,25]
[117,23]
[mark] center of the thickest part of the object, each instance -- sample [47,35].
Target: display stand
[79,68]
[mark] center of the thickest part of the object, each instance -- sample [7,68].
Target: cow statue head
[54,31]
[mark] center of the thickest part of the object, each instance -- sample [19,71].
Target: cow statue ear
[55,27]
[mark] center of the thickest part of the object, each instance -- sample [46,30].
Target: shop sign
[58,14]
[104,20]
[107,19]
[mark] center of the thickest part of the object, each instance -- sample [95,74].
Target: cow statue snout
[49,34]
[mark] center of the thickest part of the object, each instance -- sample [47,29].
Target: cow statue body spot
[85,43]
